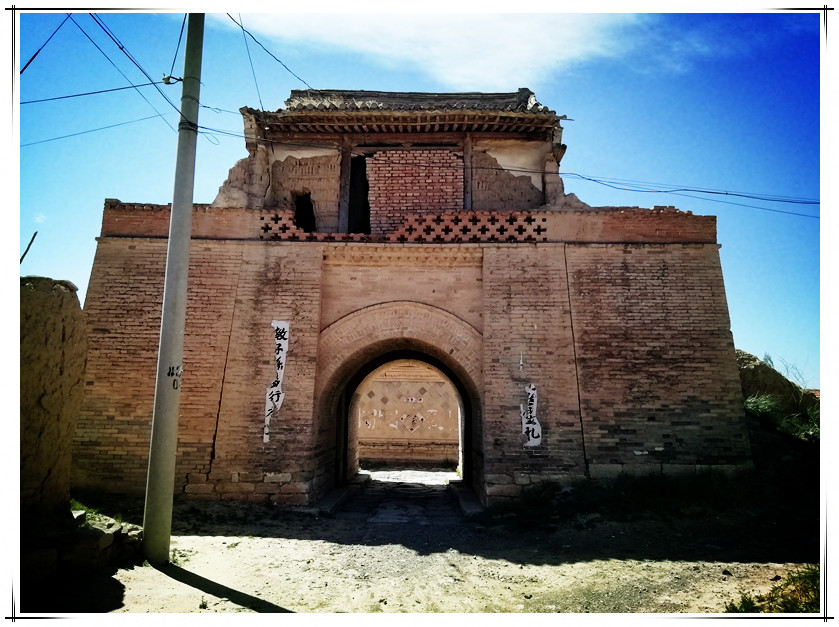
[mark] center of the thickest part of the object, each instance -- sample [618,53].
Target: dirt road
[406,548]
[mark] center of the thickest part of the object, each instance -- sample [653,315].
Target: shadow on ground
[217,590]
[80,593]
[770,515]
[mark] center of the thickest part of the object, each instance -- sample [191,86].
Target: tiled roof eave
[410,122]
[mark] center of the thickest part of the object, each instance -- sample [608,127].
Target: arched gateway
[359,343]
[368,226]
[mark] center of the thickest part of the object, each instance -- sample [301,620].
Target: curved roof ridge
[521,101]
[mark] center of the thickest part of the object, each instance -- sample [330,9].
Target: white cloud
[484,52]
[504,51]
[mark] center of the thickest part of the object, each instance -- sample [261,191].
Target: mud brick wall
[53,354]
[412,181]
[318,176]
[659,387]
[528,340]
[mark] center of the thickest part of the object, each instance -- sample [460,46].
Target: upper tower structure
[363,161]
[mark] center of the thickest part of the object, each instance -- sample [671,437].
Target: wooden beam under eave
[344,187]
[467,172]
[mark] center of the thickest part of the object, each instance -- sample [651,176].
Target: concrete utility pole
[157,518]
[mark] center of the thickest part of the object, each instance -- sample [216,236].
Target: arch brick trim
[351,341]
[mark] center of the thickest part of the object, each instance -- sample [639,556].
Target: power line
[43,141]
[269,52]
[740,204]
[220,110]
[248,50]
[89,93]
[178,47]
[122,73]
[670,189]
[681,191]
[45,43]
[124,50]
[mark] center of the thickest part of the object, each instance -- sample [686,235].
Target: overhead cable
[269,52]
[45,43]
[670,189]
[89,93]
[178,47]
[125,51]
[248,50]
[160,115]
[93,130]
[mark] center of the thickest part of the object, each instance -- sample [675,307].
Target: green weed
[90,511]
[771,411]
[798,593]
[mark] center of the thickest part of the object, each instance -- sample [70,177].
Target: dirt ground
[404,547]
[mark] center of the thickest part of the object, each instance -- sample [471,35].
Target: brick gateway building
[366,228]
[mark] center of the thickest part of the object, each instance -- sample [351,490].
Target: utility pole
[157,517]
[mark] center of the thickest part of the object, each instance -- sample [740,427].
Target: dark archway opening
[304,212]
[347,462]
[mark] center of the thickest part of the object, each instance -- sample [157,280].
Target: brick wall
[601,225]
[528,340]
[122,312]
[406,182]
[235,291]
[359,276]
[659,386]
[627,342]
[274,283]
[349,344]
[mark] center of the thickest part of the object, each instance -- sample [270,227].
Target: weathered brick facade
[495,277]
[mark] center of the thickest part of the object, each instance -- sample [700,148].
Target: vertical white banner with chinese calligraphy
[274,395]
[530,426]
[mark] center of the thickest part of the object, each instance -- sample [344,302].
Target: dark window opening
[359,204]
[304,212]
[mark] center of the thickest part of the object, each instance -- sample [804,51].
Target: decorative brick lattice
[448,227]
[280,226]
[483,226]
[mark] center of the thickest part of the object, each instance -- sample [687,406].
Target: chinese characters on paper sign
[274,395]
[530,426]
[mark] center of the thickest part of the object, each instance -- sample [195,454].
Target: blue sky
[716,102]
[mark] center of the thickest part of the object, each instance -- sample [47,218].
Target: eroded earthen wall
[53,354]
[494,187]
[317,176]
